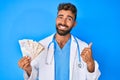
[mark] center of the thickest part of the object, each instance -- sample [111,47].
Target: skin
[87,57]
[65,21]
[67,18]
[24,63]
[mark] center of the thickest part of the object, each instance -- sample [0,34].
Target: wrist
[28,71]
[91,66]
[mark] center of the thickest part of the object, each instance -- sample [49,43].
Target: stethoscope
[80,64]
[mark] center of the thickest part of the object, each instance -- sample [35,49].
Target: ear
[74,24]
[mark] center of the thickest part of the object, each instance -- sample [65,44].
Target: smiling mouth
[62,27]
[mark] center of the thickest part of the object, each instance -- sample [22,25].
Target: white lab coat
[43,65]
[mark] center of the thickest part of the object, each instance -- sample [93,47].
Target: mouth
[62,27]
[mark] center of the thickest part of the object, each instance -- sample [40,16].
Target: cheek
[70,24]
[57,22]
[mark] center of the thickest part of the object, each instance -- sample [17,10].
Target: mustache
[62,25]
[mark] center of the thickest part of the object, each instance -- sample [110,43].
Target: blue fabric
[62,57]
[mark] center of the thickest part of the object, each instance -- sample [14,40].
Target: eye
[69,19]
[60,17]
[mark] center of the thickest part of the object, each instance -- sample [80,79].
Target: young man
[65,57]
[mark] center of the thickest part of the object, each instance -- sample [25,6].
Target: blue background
[97,21]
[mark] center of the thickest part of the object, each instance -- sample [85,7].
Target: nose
[64,21]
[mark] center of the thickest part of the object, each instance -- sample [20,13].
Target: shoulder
[82,44]
[46,40]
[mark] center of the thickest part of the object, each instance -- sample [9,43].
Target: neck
[61,40]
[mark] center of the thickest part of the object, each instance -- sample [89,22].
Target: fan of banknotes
[30,48]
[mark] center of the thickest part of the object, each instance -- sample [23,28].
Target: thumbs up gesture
[87,58]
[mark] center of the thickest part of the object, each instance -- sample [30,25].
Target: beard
[63,32]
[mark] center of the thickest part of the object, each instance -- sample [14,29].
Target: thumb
[90,45]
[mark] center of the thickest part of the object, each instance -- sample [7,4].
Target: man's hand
[24,63]
[87,57]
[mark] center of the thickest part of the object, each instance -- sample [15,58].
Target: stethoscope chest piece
[80,65]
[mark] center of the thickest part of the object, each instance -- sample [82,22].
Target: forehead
[66,13]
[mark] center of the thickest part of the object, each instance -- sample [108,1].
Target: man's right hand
[24,63]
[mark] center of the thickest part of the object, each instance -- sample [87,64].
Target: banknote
[30,48]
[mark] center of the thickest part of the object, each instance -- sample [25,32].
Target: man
[65,57]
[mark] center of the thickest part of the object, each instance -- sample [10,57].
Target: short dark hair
[68,6]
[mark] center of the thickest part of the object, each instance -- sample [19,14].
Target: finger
[90,45]
[23,61]
[26,65]
[25,57]
[83,58]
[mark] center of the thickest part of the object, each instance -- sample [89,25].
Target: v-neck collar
[64,47]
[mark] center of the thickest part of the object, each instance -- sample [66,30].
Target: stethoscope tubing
[78,50]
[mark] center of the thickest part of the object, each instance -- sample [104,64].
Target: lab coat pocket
[46,72]
[78,72]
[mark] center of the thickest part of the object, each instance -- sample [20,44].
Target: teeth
[62,27]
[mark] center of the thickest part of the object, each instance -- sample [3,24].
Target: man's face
[65,22]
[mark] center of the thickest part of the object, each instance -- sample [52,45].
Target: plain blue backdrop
[97,21]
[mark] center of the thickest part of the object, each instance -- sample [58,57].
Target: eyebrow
[59,15]
[67,16]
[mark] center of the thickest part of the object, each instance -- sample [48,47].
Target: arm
[88,59]
[92,66]
[94,75]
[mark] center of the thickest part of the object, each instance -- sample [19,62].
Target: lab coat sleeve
[95,75]
[33,76]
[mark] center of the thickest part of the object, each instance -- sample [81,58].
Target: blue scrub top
[62,57]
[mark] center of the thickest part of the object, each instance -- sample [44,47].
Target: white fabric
[43,65]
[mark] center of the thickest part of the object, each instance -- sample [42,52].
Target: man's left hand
[87,57]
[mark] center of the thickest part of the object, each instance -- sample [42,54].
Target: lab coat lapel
[50,54]
[50,60]
[73,51]
[50,51]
